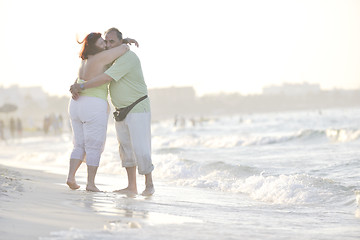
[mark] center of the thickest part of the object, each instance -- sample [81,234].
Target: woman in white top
[89,114]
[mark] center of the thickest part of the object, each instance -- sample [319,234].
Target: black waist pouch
[121,113]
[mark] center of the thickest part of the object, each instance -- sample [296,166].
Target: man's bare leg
[73,167]
[149,186]
[90,186]
[132,186]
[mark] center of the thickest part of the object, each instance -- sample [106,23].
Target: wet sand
[35,203]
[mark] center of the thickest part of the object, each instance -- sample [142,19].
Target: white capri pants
[89,118]
[134,136]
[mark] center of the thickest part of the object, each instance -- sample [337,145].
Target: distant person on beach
[127,85]
[2,128]
[12,127]
[46,124]
[89,113]
[19,128]
[61,123]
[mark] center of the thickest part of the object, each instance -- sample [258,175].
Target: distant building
[32,103]
[167,102]
[293,89]
[37,94]
[173,93]
[20,96]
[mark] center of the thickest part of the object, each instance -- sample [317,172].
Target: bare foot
[127,191]
[72,184]
[149,190]
[92,188]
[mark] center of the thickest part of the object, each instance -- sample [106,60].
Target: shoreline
[35,203]
[39,205]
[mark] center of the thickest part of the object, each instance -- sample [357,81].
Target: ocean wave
[357,197]
[172,167]
[289,189]
[307,135]
[332,134]
[188,141]
[277,189]
[238,140]
[342,135]
[302,135]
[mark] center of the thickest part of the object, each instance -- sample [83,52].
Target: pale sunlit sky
[212,45]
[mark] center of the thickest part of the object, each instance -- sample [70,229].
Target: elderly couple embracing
[108,65]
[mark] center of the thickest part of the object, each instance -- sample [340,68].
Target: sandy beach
[35,203]
[39,205]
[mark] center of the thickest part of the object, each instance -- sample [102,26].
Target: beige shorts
[134,136]
[89,117]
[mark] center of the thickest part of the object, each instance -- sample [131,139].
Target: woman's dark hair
[88,45]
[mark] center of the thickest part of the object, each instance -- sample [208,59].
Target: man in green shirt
[134,132]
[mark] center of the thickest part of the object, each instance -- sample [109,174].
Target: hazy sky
[220,45]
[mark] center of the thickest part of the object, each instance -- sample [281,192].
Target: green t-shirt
[100,91]
[128,83]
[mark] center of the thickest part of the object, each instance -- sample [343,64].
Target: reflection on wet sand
[129,212]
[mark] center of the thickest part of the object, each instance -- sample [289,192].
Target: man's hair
[118,33]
